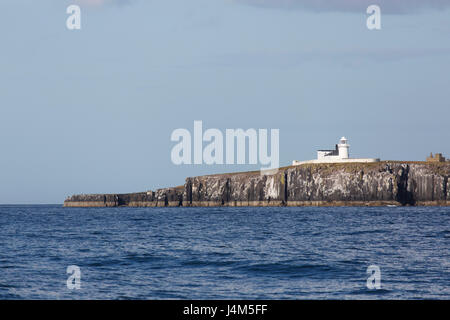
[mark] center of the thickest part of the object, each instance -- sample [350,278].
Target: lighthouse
[340,154]
[343,147]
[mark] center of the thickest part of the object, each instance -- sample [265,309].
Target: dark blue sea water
[224,253]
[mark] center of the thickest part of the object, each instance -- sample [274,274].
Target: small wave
[10,296]
[106,263]
[354,233]
[7,266]
[288,269]
[6,286]
[208,263]
[445,233]
[142,258]
[366,291]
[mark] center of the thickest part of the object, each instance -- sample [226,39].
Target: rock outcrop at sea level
[346,184]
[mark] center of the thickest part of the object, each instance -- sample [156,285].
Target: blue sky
[92,111]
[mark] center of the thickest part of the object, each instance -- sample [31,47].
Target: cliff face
[167,197]
[382,183]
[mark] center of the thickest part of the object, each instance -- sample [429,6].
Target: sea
[51,252]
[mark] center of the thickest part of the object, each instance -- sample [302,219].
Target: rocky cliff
[346,184]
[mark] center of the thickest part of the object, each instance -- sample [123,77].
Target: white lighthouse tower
[343,148]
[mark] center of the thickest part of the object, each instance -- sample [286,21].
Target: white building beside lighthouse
[339,155]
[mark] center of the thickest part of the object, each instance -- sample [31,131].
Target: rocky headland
[344,184]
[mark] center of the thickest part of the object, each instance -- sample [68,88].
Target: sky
[92,110]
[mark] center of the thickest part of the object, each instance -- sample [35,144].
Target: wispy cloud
[387,6]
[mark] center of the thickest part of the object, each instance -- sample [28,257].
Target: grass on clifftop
[441,168]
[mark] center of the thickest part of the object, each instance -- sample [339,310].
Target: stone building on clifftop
[437,158]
